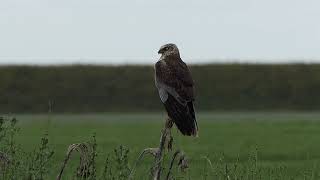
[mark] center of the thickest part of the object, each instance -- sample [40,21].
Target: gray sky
[103,31]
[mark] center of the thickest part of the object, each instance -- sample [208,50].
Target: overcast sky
[103,31]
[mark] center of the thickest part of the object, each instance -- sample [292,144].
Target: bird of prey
[175,86]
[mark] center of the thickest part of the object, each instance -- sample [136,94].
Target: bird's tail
[183,116]
[194,120]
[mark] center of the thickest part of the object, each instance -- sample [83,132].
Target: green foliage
[116,166]
[11,163]
[38,162]
[259,164]
[83,88]
[17,163]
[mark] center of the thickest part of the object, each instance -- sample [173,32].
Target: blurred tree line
[84,88]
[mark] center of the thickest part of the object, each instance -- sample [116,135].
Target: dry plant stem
[209,162]
[63,166]
[159,156]
[158,153]
[152,151]
[171,163]
[182,162]
[82,149]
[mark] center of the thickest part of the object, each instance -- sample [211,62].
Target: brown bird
[176,89]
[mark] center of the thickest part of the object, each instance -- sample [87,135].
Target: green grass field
[280,145]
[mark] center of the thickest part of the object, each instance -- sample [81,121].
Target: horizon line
[144,61]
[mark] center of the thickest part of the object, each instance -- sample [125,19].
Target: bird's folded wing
[164,90]
[175,80]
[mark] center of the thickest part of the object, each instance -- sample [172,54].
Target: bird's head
[168,50]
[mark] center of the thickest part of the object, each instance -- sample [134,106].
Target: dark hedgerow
[87,88]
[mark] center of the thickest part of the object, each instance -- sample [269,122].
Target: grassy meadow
[239,145]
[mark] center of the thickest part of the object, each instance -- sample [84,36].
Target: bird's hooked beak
[160,51]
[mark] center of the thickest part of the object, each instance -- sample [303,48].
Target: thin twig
[152,151]
[158,160]
[82,148]
[158,153]
[209,162]
[171,163]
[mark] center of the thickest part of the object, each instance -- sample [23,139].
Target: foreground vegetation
[230,146]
